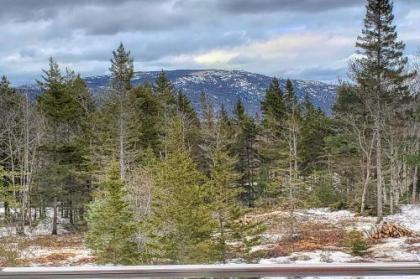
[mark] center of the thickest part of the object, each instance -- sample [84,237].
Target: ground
[319,237]
[321,233]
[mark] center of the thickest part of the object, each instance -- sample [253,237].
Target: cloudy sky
[305,39]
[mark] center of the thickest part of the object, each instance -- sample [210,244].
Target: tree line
[152,180]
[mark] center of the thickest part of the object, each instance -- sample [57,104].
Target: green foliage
[323,193]
[233,237]
[111,226]
[181,224]
[122,69]
[67,106]
[356,242]
[273,108]
[8,254]
[144,123]
[246,150]
[314,129]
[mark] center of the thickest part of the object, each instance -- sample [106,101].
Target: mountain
[226,87]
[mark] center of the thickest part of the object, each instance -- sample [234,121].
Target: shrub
[356,242]
[8,255]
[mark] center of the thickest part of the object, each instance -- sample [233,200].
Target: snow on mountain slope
[226,87]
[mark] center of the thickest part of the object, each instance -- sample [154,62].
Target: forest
[152,180]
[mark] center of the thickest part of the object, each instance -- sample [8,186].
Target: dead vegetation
[310,237]
[46,250]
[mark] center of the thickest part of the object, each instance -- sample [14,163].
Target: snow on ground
[409,217]
[65,256]
[44,227]
[41,250]
[387,250]
[312,258]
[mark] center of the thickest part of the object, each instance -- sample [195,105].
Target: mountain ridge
[224,87]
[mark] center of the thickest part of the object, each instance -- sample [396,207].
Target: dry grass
[55,250]
[53,258]
[311,237]
[54,241]
[414,244]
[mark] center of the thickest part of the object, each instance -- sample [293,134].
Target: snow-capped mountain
[226,87]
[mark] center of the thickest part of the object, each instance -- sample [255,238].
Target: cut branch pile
[387,230]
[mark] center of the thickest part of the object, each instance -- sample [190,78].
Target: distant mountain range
[225,87]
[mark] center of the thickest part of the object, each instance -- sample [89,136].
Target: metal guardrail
[213,271]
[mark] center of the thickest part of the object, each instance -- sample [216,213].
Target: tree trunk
[365,186]
[415,179]
[121,136]
[379,186]
[55,217]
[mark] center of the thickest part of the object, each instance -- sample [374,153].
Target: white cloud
[216,57]
[288,54]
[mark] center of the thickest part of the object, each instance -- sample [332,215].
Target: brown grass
[311,237]
[54,258]
[54,241]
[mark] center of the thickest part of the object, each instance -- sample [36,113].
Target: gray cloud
[244,34]
[258,6]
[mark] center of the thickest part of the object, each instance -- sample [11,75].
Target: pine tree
[122,71]
[64,152]
[245,149]
[233,237]
[273,141]
[185,107]
[273,108]
[180,226]
[111,226]
[314,129]
[165,91]
[381,75]
[144,125]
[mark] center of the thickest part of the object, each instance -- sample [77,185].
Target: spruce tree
[63,176]
[273,108]
[180,226]
[273,141]
[380,73]
[245,148]
[122,71]
[111,226]
[144,125]
[233,237]
[315,127]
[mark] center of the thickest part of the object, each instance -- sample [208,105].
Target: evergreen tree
[181,224]
[144,125]
[381,75]
[165,91]
[315,127]
[111,226]
[273,108]
[245,149]
[64,152]
[273,141]
[122,71]
[185,107]
[233,237]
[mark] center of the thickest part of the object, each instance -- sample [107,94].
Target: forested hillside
[221,86]
[150,181]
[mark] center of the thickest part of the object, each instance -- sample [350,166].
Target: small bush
[356,242]
[8,256]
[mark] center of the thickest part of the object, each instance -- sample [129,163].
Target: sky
[299,39]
